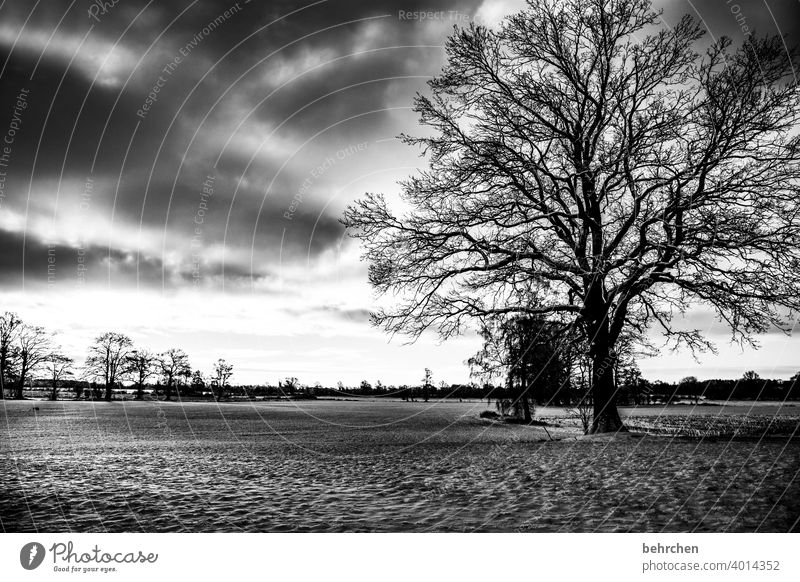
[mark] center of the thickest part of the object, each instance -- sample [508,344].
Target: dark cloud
[740,18]
[260,97]
[239,78]
[30,261]
[339,312]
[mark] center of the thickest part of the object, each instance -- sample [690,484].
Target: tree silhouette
[289,385]
[141,364]
[59,367]
[589,165]
[174,364]
[10,325]
[427,383]
[34,346]
[198,382]
[690,385]
[533,354]
[222,373]
[107,359]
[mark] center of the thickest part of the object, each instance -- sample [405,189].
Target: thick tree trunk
[140,391]
[108,392]
[168,391]
[604,394]
[20,384]
[606,416]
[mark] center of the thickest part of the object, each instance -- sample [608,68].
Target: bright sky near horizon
[176,172]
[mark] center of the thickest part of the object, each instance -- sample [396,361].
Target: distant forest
[688,390]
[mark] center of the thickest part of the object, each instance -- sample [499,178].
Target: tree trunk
[168,390]
[22,375]
[3,369]
[526,408]
[140,391]
[108,392]
[606,416]
[604,394]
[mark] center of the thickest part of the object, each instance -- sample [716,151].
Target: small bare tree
[141,364]
[223,371]
[427,383]
[10,325]
[584,411]
[107,359]
[174,365]
[288,385]
[34,346]
[59,367]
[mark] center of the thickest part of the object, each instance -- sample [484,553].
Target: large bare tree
[107,359]
[589,164]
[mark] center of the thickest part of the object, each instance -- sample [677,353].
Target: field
[390,466]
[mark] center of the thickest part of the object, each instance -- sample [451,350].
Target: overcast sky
[176,172]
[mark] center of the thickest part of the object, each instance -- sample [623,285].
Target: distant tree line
[749,387]
[112,359]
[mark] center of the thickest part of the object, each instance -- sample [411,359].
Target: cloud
[30,262]
[104,62]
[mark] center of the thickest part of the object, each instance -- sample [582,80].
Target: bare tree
[58,367]
[222,373]
[590,165]
[107,359]
[583,410]
[141,363]
[174,364]
[10,325]
[691,386]
[34,347]
[288,385]
[198,384]
[427,383]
